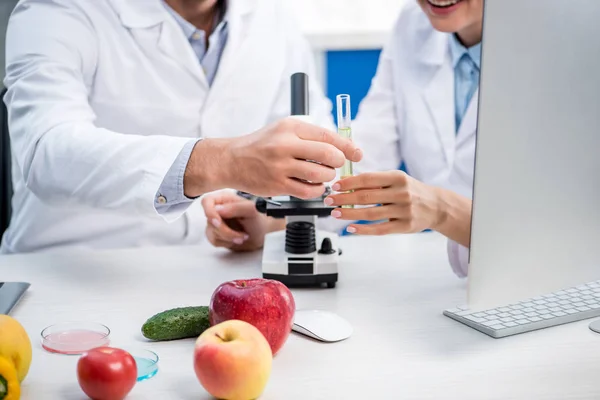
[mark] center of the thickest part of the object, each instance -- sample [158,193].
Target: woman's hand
[400,202]
[403,205]
[234,222]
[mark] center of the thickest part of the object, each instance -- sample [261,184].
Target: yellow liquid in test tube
[346,170]
[344,118]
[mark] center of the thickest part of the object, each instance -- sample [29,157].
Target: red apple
[233,360]
[267,304]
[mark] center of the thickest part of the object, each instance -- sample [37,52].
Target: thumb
[209,205]
[211,202]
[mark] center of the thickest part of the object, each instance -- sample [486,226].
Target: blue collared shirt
[466,62]
[170,195]
[209,57]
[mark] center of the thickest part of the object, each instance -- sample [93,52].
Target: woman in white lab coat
[421,110]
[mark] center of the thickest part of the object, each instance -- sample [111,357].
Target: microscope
[301,255]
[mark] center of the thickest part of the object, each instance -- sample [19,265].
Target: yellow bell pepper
[10,388]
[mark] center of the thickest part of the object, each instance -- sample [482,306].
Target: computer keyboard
[561,307]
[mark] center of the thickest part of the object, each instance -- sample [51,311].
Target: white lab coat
[408,114]
[104,94]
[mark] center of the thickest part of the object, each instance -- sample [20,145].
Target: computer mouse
[595,326]
[321,325]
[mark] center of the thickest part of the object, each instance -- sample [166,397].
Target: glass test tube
[344,120]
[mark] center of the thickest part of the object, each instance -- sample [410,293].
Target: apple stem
[219,336]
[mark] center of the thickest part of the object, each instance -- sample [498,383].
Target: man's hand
[234,222]
[401,204]
[271,161]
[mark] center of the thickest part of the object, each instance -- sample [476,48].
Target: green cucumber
[177,323]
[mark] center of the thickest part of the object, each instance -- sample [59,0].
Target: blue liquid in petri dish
[146,368]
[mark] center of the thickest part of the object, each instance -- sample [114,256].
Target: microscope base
[304,280]
[300,270]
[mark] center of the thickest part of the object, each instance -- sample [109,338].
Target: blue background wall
[350,72]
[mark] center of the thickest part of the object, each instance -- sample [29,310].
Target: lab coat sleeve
[375,128]
[171,190]
[63,156]
[458,256]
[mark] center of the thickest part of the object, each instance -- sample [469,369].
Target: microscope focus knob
[326,247]
[261,205]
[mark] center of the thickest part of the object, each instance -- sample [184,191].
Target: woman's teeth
[443,3]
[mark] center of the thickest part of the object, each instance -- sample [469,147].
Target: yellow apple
[232,360]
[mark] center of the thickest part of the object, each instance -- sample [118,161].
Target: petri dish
[73,338]
[146,362]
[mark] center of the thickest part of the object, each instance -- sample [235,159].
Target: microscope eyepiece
[300,105]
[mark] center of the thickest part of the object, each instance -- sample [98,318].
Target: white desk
[392,290]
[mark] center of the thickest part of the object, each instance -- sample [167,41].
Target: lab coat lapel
[175,45]
[439,92]
[239,13]
[156,31]
[250,61]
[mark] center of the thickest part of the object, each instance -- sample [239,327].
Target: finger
[311,172]
[223,244]
[211,201]
[318,134]
[371,180]
[227,231]
[208,205]
[364,197]
[239,209]
[376,213]
[214,240]
[303,190]
[379,229]
[229,243]
[320,152]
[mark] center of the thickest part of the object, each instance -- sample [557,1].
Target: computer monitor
[536,209]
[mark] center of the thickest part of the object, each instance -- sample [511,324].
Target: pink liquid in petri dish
[74,341]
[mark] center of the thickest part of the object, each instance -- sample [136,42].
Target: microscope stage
[290,207]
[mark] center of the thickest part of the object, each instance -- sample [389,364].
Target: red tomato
[106,373]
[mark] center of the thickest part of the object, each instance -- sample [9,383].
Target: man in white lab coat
[421,110]
[108,101]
